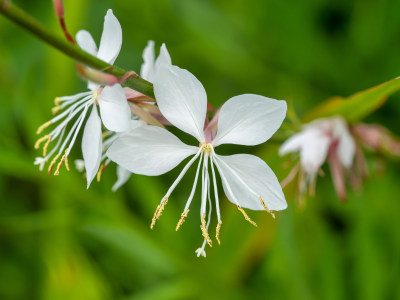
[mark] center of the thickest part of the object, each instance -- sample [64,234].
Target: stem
[30,24]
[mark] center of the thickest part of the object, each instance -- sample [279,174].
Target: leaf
[356,106]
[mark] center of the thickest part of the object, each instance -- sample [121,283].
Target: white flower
[247,119]
[317,139]
[147,72]
[114,109]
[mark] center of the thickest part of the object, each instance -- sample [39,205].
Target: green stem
[30,24]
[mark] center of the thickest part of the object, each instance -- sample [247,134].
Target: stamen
[66,163]
[100,172]
[246,216]
[43,126]
[50,170]
[266,208]
[204,230]
[57,101]
[55,110]
[57,172]
[158,212]
[217,232]
[46,145]
[182,219]
[41,140]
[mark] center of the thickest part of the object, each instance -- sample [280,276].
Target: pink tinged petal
[314,151]
[149,150]
[86,42]
[346,148]
[249,120]
[337,173]
[131,94]
[249,178]
[147,69]
[123,176]
[163,58]
[114,108]
[111,39]
[181,99]
[92,145]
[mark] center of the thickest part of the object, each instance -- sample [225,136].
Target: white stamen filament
[179,178]
[194,185]
[204,185]
[215,188]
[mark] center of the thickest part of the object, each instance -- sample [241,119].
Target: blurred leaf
[357,106]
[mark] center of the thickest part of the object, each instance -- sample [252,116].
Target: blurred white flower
[320,140]
[114,109]
[247,119]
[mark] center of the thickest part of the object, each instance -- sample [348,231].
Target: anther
[246,216]
[40,129]
[41,140]
[53,162]
[100,172]
[266,208]
[57,101]
[46,145]
[204,230]
[158,212]
[217,232]
[55,110]
[182,219]
[57,172]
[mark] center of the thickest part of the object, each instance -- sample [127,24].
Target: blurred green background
[61,241]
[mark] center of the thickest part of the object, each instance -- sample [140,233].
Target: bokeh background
[61,241]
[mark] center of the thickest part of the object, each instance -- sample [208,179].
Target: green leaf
[356,106]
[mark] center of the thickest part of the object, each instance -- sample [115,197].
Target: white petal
[249,120]
[146,71]
[314,151]
[163,58]
[297,141]
[111,39]
[346,149]
[123,176]
[149,150]
[86,42]
[92,145]
[114,108]
[181,99]
[257,175]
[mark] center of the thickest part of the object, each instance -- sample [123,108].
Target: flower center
[206,148]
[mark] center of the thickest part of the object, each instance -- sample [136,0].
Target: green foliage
[61,241]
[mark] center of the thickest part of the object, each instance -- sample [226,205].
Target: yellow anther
[206,148]
[266,208]
[100,172]
[41,140]
[57,101]
[67,164]
[46,145]
[40,129]
[55,110]
[53,162]
[104,135]
[246,216]
[182,219]
[57,172]
[158,212]
[204,230]
[217,232]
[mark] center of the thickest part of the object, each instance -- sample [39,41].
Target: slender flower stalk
[248,119]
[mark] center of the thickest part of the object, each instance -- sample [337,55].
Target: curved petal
[149,150]
[298,140]
[114,108]
[111,39]
[163,58]
[147,69]
[346,149]
[181,99]
[86,43]
[123,176]
[250,178]
[92,145]
[249,120]
[314,151]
